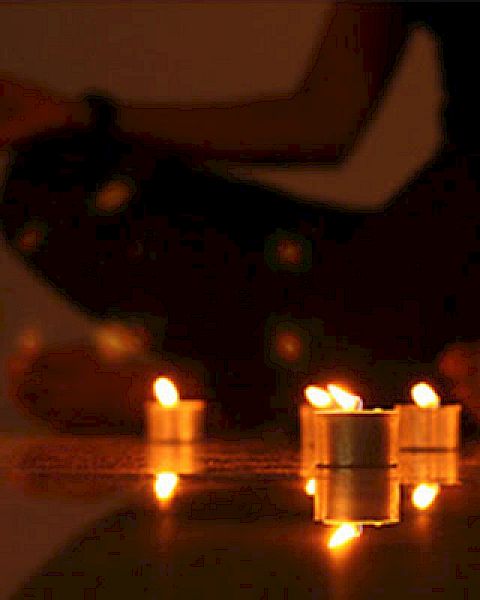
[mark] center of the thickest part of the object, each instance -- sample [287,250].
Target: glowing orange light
[165,484]
[344,399]
[30,239]
[165,392]
[425,396]
[289,252]
[113,195]
[289,346]
[30,340]
[114,340]
[424,495]
[318,397]
[310,487]
[344,534]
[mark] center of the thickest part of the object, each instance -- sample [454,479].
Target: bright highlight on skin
[318,397]
[344,534]
[344,399]
[165,484]
[165,392]
[425,396]
[310,487]
[424,495]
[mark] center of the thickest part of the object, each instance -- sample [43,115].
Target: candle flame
[424,495]
[310,487]
[344,534]
[165,484]
[344,399]
[318,397]
[425,396]
[165,392]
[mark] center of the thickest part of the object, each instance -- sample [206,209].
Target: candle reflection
[357,496]
[165,485]
[424,495]
[344,534]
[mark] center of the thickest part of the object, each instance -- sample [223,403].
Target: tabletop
[94,518]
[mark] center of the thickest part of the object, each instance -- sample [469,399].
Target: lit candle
[357,496]
[348,436]
[169,419]
[425,424]
[316,399]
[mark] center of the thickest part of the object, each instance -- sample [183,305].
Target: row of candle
[336,431]
[334,425]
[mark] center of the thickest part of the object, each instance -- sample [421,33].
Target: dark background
[199,52]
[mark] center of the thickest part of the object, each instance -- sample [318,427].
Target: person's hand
[27,109]
[78,388]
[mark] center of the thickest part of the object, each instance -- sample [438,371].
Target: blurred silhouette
[117,208]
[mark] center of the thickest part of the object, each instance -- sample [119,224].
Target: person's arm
[318,122]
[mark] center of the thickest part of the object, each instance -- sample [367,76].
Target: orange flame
[344,399]
[165,392]
[310,487]
[344,534]
[165,484]
[425,396]
[424,495]
[318,397]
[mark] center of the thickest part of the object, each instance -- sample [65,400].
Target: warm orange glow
[289,252]
[30,238]
[425,396]
[318,397]
[165,392]
[165,484]
[310,487]
[424,495]
[29,340]
[344,399]
[115,341]
[289,346]
[344,534]
[113,195]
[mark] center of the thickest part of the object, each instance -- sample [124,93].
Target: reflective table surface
[94,518]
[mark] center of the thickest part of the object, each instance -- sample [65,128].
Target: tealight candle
[316,399]
[429,467]
[425,425]
[172,420]
[349,436]
[357,496]
[183,459]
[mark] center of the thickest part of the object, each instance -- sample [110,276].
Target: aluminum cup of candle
[357,496]
[171,420]
[362,438]
[428,466]
[425,424]
[183,459]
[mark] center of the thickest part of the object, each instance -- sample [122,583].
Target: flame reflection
[165,484]
[344,534]
[424,495]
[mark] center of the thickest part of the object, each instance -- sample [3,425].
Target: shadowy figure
[116,206]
